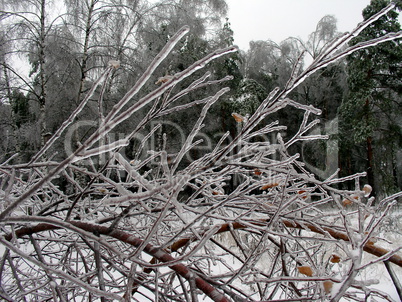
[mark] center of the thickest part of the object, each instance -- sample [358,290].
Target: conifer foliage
[370,113]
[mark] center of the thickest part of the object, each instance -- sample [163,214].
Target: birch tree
[30,23]
[68,46]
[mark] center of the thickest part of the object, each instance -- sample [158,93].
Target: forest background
[64,46]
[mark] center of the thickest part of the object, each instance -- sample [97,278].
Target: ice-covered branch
[243,218]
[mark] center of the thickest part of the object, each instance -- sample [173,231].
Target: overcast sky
[279,19]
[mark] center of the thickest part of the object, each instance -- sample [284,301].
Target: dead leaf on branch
[163,79]
[269,186]
[328,286]
[335,258]
[238,117]
[305,270]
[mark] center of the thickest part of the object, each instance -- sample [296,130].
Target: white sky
[277,20]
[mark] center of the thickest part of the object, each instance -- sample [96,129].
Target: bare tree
[65,46]
[148,228]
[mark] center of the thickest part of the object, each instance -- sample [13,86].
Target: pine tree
[370,114]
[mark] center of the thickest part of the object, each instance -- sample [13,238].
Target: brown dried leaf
[238,118]
[257,171]
[335,258]
[305,270]
[214,192]
[268,186]
[164,79]
[102,190]
[303,194]
[328,286]
[348,201]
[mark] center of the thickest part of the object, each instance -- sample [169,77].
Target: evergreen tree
[20,108]
[371,132]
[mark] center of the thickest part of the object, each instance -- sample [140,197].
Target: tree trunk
[369,146]
[42,75]
[84,61]
[370,163]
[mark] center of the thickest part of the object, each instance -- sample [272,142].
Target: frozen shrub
[243,222]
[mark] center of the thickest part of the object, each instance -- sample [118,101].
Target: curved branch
[162,255]
[125,237]
[369,247]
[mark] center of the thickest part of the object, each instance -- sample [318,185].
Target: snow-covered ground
[391,231]
[374,276]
